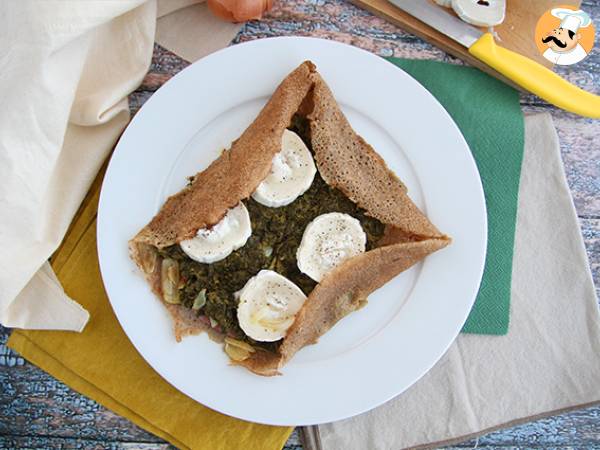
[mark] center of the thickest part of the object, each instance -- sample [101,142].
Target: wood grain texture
[347,23]
[37,411]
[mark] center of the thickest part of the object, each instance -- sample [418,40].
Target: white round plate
[371,355]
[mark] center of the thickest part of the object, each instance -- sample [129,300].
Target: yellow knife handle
[536,78]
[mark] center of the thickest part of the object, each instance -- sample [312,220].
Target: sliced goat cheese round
[292,172]
[267,306]
[483,13]
[217,242]
[329,240]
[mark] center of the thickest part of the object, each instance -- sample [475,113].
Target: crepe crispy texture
[346,162]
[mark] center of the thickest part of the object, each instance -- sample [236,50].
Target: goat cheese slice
[292,172]
[217,242]
[483,13]
[267,306]
[328,241]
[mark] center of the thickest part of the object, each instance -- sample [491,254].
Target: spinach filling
[276,236]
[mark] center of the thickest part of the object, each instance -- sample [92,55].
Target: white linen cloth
[67,69]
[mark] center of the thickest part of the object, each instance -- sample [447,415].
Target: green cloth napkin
[488,113]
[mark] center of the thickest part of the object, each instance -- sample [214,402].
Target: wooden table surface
[36,411]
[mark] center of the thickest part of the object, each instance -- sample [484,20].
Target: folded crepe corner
[346,162]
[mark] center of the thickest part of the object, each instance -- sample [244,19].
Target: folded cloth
[67,70]
[101,363]
[549,361]
[487,112]
[190,30]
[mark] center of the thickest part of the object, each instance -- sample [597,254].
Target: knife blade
[441,20]
[521,70]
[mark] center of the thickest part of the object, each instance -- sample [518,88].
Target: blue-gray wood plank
[37,411]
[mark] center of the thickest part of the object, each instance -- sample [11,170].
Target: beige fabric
[164,7]
[192,32]
[56,307]
[67,68]
[550,359]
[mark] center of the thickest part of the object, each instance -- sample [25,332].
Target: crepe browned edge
[346,162]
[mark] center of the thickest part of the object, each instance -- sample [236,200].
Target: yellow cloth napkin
[101,362]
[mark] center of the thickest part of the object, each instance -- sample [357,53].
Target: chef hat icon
[572,20]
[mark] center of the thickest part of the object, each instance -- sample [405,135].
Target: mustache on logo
[559,43]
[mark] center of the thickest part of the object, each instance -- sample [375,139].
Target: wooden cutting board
[516,33]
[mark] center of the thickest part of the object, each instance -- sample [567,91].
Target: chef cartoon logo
[565,35]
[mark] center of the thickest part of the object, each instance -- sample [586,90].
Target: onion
[239,10]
